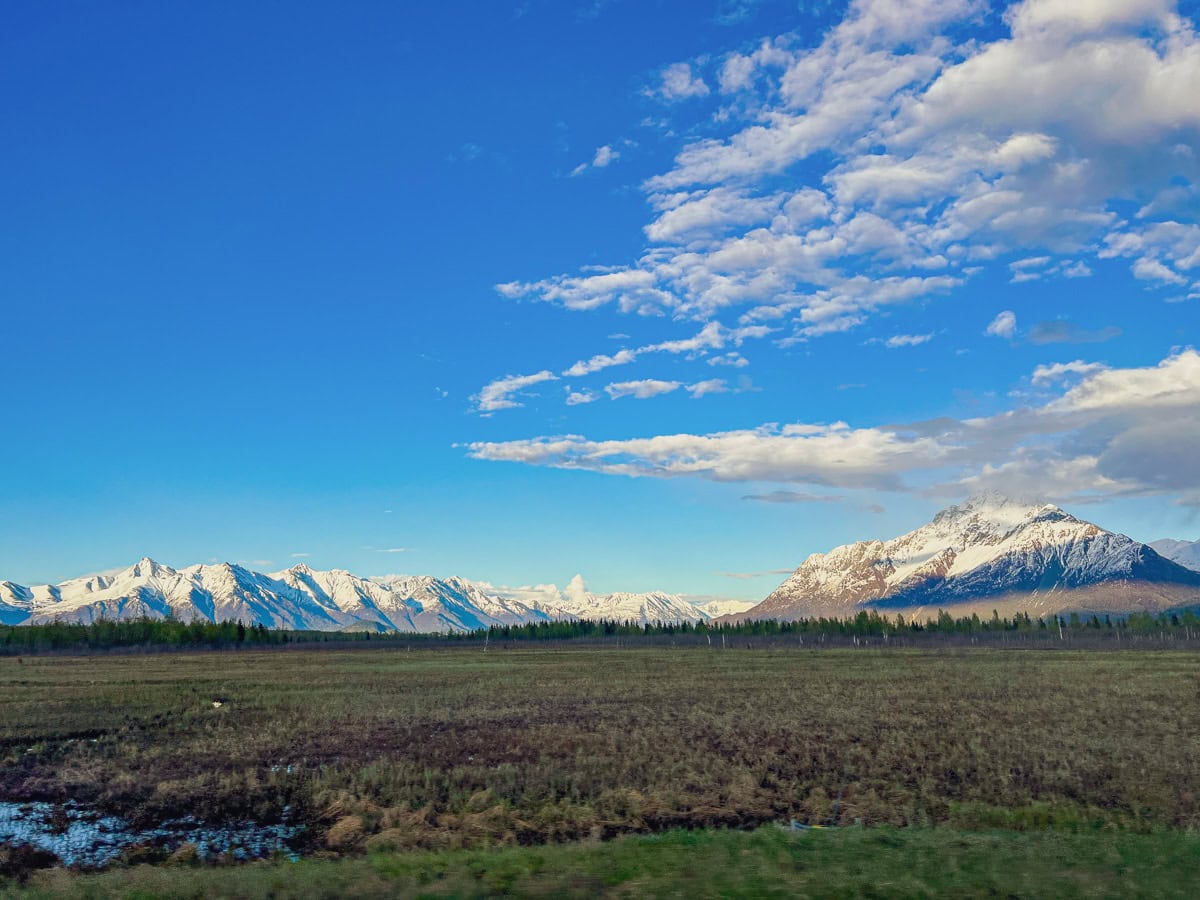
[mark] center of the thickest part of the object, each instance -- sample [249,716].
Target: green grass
[850,862]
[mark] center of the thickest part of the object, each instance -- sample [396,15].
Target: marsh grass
[459,748]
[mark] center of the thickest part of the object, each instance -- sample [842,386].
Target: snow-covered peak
[992,512]
[146,568]
[988,546]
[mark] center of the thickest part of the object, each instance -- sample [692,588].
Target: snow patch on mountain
[1186,553]
[575,601]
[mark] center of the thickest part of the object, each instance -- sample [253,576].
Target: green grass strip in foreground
[851,862]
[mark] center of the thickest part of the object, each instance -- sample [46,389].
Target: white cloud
[678,83]
[1175,382]
[499,393]
[1052,372]
[711,337]
[577,398]
[907,340]
[600,361]
[710,386]
[732,358]
[300,555]
[1149,269]
[602,158]
[1116,432]
[928,155]
[1004,325]
[641,390]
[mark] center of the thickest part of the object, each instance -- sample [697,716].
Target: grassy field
[388,751]
[766,863]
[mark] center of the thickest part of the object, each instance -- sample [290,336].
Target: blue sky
[671,294]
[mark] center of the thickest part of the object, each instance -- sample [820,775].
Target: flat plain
[400,752]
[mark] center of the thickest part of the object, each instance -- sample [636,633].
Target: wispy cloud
[603,157]
[795,497]
[641,390]
[746,576]
[1062,331]
[499,393]
[907,340]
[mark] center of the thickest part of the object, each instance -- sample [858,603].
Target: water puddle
[83,837]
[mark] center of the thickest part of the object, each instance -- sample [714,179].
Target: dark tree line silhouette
[868,625]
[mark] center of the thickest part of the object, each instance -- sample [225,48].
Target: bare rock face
[988,553]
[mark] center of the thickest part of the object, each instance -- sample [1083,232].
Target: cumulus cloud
[931,150]
[679,83]
[1004,325]
[1115,432]
[577,398]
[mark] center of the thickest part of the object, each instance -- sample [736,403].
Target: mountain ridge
[305,598]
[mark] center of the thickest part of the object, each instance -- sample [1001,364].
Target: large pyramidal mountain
[989,553]
[303,598]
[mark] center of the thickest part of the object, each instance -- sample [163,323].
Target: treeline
[868,625]
[864,624]
[107,635]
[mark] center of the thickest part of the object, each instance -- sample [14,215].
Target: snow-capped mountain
[16,602]
[724,607]
[1186,553]
[577,602]
[298,597]
[989,553]
[335,600]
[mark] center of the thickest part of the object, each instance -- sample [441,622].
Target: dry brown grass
[448,748]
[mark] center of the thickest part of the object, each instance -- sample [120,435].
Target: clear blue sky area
[671,294]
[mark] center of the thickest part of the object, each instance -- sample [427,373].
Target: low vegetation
[464,747]
[850,862]
[414,767]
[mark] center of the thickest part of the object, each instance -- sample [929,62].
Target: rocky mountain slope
[989,553]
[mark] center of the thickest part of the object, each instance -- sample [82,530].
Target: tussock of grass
[850,862]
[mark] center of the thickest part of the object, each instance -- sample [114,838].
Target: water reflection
[80,836]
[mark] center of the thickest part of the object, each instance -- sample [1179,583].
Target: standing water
[83,837]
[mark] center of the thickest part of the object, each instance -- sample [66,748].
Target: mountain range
[335,600]
[989,553]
